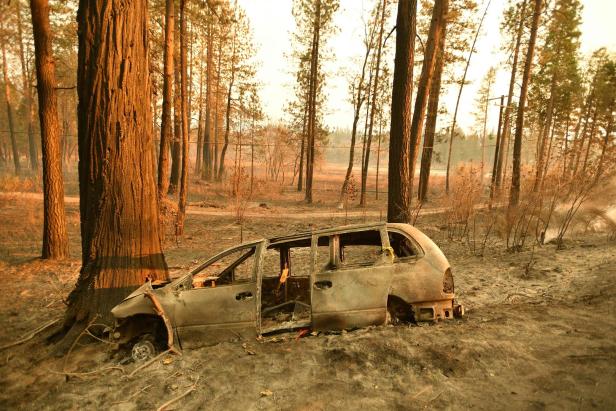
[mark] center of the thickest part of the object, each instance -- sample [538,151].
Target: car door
[350,294]
[212,312]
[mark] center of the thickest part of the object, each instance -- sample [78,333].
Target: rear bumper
[437,310]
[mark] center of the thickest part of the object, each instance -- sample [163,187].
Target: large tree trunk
[462,83]
[165,127]
[55,238]
[519,127]
[398,200]
[439,13]
[25,75]
[375,88]
[312,101]
[120,237]
[179,227]
[9,111]
[431,117]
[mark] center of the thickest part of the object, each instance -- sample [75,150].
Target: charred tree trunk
[216,114]
[433,102]
[25,76]
[179,227]
[398,183]
[9,112]
[120,237]
[55,237]
[519,129]
[439,13]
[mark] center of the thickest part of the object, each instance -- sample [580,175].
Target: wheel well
[133,327]
[399,308]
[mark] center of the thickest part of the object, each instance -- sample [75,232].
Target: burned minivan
[331,279]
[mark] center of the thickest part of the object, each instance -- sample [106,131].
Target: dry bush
[462,201]
[13,183]
[239,192]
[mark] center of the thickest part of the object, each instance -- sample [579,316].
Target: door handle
[246,295]
[323,285]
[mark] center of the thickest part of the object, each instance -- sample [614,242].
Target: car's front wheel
[144,349]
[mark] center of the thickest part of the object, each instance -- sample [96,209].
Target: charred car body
[332,279]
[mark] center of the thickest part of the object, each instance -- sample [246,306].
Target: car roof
[334,230]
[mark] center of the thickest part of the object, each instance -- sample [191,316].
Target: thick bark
[120,237]
[25,75]
[312,101]
[179,227]
[9,112]
[55,237]
[398,184]
[431,117]
[165,127]
[519,128]
[439,14]
[375,88]
[504,147]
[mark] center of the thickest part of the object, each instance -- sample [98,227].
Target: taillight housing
[448,282]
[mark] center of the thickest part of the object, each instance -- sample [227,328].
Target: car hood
[134,303]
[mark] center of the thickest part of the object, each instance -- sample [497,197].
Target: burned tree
[120,238]
[398,191]
[55,238]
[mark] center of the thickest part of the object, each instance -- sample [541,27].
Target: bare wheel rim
[143,350]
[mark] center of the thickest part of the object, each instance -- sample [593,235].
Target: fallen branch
[68,354]
[83,374]
[179,397]
[31,335]
[161,313]
[148,363]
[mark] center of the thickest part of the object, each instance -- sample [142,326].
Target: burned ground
[542,337]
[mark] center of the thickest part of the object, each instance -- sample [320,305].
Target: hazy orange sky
[272,24]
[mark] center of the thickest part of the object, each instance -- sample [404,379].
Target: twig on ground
[179,397]
[148,363]
[133,395]
[68,354]
[31,335]
[83,374]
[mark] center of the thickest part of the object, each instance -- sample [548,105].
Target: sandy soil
[532,339]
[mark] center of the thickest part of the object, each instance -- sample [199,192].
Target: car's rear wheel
[144,349]
[398,311]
